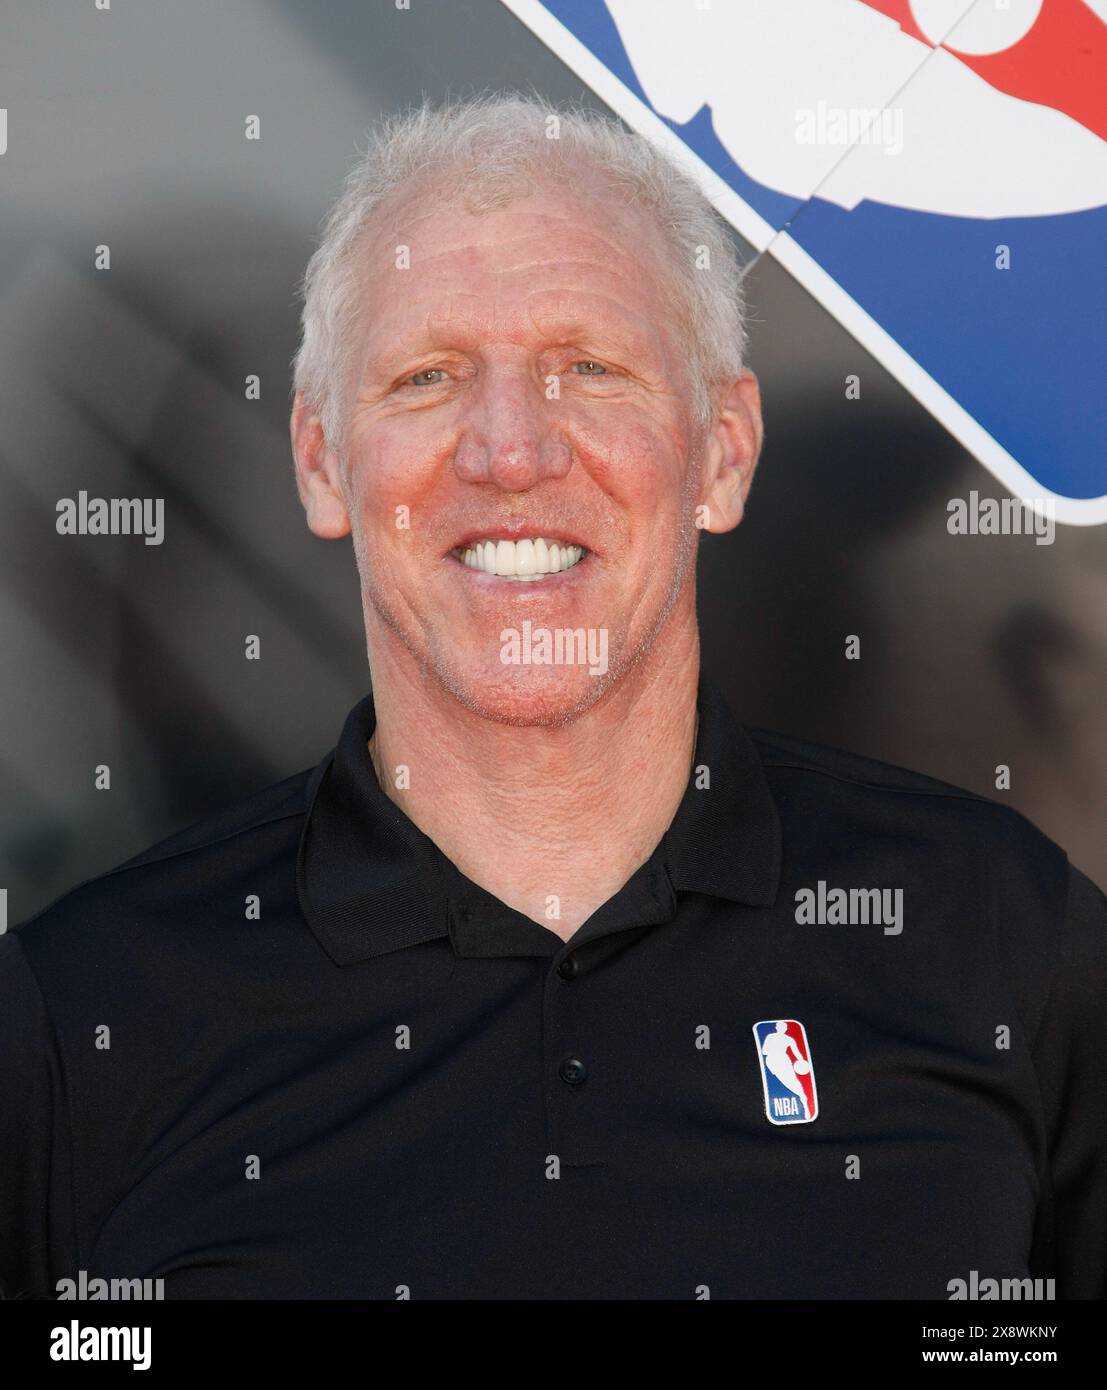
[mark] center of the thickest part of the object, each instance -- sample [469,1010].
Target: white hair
[486,151]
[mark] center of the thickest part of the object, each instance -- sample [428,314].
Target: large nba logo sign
[934,172]
[787,1073]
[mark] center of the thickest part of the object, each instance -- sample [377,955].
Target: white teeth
[505,558]
[525,559]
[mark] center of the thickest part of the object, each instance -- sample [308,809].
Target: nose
[509,436]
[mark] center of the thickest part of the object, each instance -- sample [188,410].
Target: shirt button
[572,1071]
[569,968]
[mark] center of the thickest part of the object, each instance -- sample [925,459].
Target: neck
[537,815]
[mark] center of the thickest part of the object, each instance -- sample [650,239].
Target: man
[481,1007]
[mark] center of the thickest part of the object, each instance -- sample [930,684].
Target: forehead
[535,267]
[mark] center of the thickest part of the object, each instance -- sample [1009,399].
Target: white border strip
[824,288]
[898,361]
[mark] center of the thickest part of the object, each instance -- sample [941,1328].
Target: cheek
[631,459]
[396,470]
[641,466]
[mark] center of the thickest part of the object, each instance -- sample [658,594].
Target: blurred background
[125,128]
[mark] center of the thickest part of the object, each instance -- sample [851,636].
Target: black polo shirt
[292,1051]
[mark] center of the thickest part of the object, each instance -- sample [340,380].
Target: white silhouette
[967,149]
[779,1050]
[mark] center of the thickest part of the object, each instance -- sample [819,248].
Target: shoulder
[785,754]
[951,845]
[973,868]
[244,822]
[183,884]
[895,801]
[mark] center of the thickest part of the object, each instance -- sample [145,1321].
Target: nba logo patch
[787,1073]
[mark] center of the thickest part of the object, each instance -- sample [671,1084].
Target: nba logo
[787,1074]
[945,128]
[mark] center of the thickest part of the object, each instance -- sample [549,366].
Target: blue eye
[590,368]
[435,372]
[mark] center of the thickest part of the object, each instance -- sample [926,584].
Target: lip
[519,531]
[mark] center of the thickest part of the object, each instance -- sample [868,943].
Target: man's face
[521,380]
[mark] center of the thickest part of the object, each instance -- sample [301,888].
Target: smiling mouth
[524,560]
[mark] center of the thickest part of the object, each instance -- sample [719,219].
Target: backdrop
[127,375]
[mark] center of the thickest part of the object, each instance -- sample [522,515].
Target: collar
[369,881]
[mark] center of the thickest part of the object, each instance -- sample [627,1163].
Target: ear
[318,474]
[733,448]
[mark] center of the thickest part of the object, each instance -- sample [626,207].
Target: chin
[539,696]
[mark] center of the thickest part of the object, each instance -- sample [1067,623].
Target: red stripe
[1061,62]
